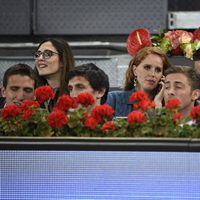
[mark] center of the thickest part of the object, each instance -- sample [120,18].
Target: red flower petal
[137,40]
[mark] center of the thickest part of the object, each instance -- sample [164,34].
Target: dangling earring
[135,81]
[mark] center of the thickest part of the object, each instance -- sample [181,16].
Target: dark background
[85,20]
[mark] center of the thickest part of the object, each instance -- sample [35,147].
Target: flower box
[100,144]
[181,60]
[68,119]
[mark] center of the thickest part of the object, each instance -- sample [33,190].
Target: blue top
[119,100]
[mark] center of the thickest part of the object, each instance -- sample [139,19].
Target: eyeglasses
[46,54]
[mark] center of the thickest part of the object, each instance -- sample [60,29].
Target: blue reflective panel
[28,175]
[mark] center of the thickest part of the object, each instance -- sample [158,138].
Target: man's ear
[195,94]
[3,91]
[100,93]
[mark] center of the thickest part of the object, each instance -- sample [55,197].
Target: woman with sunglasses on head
[145,73]
[53,59]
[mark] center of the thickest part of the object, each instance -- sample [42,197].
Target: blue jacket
[119,100]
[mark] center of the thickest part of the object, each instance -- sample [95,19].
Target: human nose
[73,93]
[19,98]
[170,91]
[20,95]
[152,72]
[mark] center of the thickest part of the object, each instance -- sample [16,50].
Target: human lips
[151,81]
[17,102]
[41,65]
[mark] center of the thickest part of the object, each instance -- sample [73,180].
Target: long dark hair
[66,58]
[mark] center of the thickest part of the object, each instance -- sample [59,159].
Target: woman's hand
[159,97]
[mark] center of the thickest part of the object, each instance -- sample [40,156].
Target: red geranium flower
[144,105]
[135,117]
[102,111]
[91,122]
[177,116]
[172,103]
[137,40]
[44,93]
[195,112]
[27,114]
[138,96]
[57,118]
[28,103]
[10,111]
[85,99]
[108,126]
[65,102]
[140,100]
[27,108]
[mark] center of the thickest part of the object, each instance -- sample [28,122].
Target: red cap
[137,40]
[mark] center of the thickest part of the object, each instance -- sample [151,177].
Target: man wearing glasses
[18,84]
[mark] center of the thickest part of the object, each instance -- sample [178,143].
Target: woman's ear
[134,70]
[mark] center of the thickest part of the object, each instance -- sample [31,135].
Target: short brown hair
[19,69]
[189,72]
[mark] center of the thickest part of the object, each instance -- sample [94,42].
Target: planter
[181,60]
[100,144]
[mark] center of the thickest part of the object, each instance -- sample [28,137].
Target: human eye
[158,70]
[47,53]
[167,86]
[37,54]
[14,89]
[28,90]
[178,87]
[147,67]
[80,87]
